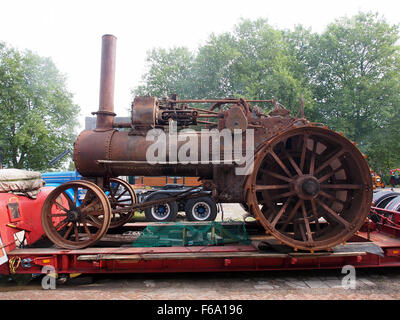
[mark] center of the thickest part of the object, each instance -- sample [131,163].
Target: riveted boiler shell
[126,155]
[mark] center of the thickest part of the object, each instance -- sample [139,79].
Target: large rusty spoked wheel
[120,195]
[67,212]
[310,188]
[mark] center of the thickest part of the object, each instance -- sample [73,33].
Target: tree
[38,117]
[348,76]
[169,71]
[353,69]
[250,62]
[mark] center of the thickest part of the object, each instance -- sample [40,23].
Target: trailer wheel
[162,212]
[201,209]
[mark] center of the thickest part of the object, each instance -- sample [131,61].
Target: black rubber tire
[173,210]
[191,203]
[382,198]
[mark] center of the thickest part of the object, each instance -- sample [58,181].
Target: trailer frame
[220,258]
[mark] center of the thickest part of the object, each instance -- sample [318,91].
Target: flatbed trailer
[370,248]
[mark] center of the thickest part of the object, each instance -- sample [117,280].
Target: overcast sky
[70,32]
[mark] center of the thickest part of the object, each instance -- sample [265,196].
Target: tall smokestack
[105,114]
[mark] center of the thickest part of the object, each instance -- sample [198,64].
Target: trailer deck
[115,254]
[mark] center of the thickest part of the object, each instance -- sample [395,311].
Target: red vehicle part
[213,258]
[387,221]
[20,213]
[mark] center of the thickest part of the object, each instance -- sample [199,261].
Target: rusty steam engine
[308,186]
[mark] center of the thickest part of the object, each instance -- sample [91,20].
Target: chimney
[105,114]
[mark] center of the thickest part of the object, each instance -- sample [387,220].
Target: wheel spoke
[95,213]
[291,215]
[329,174]
[58,214]
[90,205]
[306,222]
[303,152]
[276,175]
[126,190]
[334,214]
[312,163]
[283,195]
[328,162]
[314,210]
[86,228]
[303,234]
[281,212]
[330,197]
[281,164]
[313,156]
[272,187]
[294,164]
[75,195]
[269,204]
[61,225]
[340,186]
[76,232]
[112,194]
[68,231]
[86,198]
[60,206]
[70,202]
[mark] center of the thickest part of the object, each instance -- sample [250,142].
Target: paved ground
[377,284]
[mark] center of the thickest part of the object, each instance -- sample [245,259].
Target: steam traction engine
[309,186]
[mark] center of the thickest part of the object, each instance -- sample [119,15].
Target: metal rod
[207,122]
[230,100]
[207,116]
[203,110]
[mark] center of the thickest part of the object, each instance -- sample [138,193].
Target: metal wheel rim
[199,216]
[280,186]
[159,216]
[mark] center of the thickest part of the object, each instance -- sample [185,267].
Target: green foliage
[170,72]
[353,70]
[252,62]
[348,76]
[37,116]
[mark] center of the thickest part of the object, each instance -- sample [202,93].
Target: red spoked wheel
[310,188]
[68,211]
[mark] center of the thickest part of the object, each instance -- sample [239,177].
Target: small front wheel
[201,209]
[68,223]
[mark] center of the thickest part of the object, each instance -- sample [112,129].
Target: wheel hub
[201,210]
[73,215]
[161,210]
[307,187]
